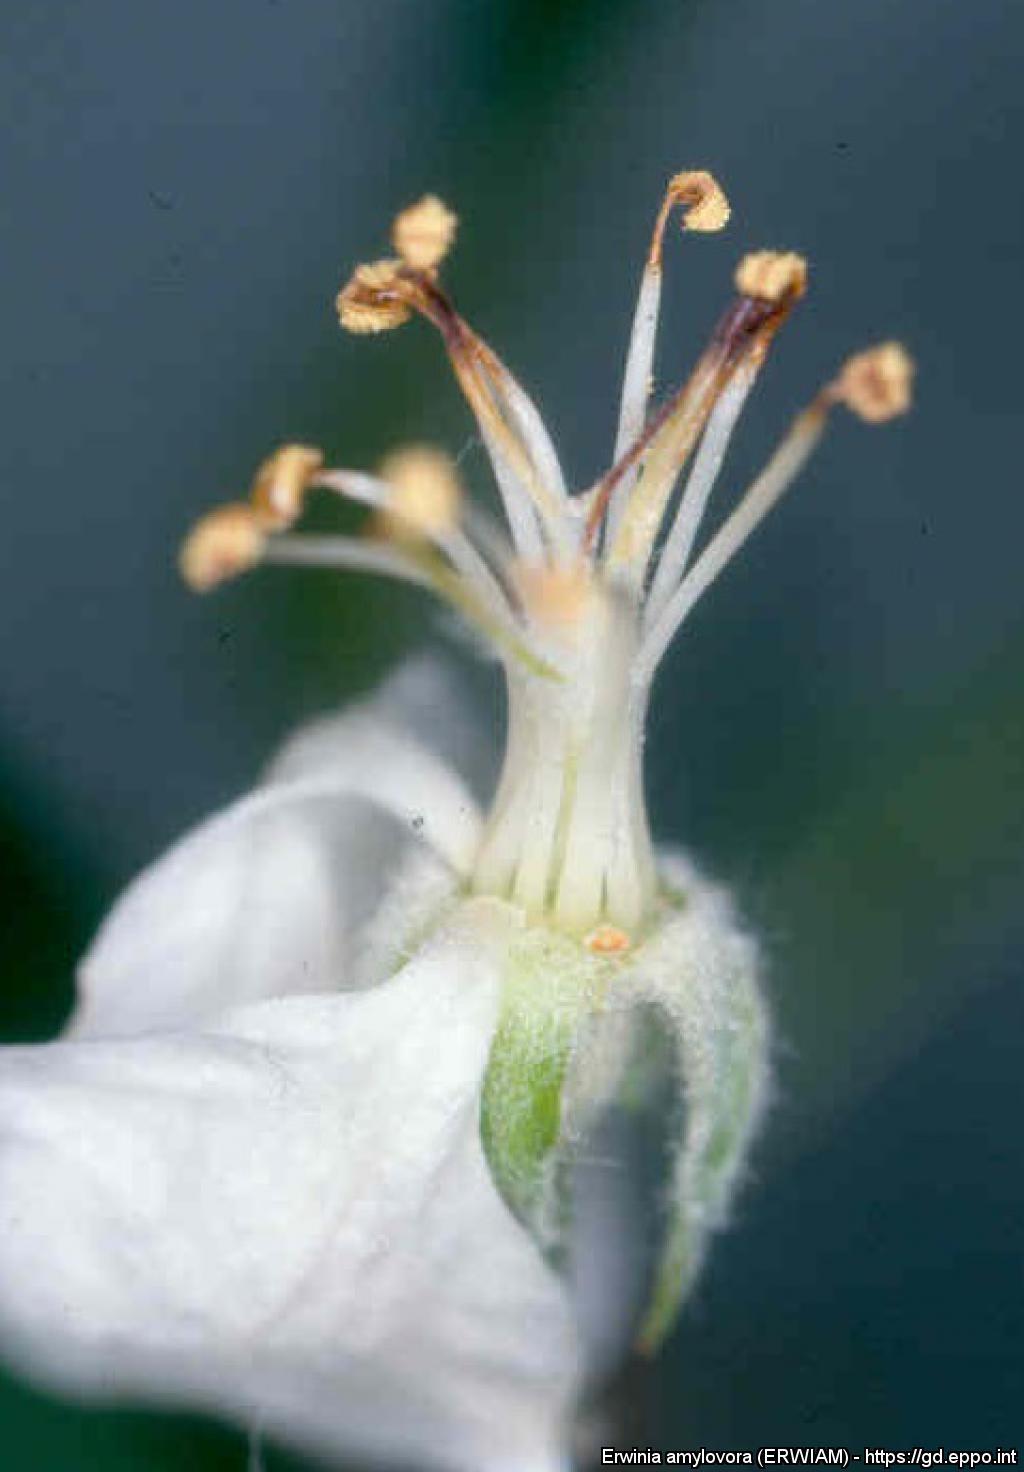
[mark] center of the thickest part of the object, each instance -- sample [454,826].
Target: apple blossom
[308,1150]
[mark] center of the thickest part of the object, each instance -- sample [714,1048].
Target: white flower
[307,1151]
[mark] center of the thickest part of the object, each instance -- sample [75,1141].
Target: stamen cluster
[580,594]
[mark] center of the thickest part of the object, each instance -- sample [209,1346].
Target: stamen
[889,370]
[424,503]
[419,508]
[447,535]
[280,485]
[743,336]
[527,419]
[705,209]
[501,407]
[233,539]
[509,421]
[419,502]
[221,545]
[423,233]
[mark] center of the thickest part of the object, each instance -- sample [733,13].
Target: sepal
[580,1036]
[551,987]
[714,1018]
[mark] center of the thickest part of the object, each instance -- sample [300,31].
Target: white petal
[265,898]
[289,1217]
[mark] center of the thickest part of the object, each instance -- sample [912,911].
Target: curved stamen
[705,208]
[529,421]
[524,460]
[508,419]
[419,516]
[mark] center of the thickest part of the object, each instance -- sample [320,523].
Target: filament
[776,478]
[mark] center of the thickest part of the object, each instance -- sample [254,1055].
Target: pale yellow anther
[770,275]
[607,940]
[705,205]
[557,596]
[224,543]
[877,383]
[366,303]
[423,233]
[280,484]
[426,494]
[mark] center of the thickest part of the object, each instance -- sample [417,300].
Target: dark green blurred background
[840,731]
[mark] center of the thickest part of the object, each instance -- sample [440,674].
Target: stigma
[578,593]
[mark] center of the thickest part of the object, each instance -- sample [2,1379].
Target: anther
[221,545]
[876,384]
[771,275]
[280,484]
[706,208]
[703,203]
[369,301]
[423,233]
[426,494]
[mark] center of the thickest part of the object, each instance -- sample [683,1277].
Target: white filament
[636,383]
[520,510]
[692,504]
[533,432]
[370,490]
[352,553]
[644,510]
[495,620]
[777,476]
